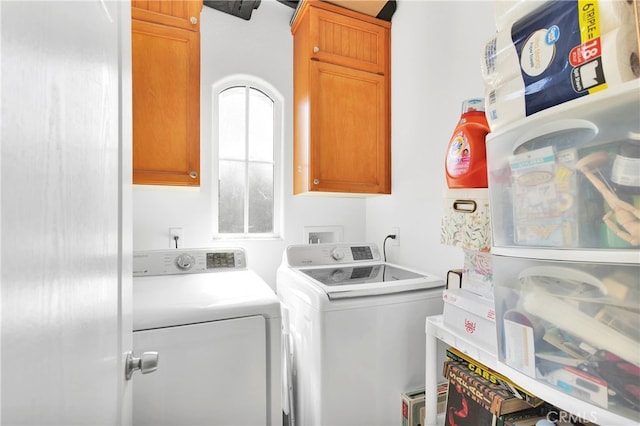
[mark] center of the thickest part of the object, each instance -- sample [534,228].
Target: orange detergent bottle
[466,162]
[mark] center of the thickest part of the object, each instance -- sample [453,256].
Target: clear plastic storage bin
[570,176]
[574,325]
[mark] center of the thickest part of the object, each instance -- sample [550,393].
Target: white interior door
[65,212]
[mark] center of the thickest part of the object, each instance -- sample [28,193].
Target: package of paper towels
[616,12]
[559,51]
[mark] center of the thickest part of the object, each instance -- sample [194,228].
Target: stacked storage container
[564,189]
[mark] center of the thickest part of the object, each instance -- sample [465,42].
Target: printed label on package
[560,53]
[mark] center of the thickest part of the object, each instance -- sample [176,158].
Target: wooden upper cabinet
[349,152]
[341,40]
[341,101]
[174,13]
[166,104]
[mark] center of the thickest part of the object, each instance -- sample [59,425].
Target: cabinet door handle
[316,181]
[193,174]
[316,49]
[194,20]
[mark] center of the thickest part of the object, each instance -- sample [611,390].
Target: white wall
[262,46]
[436,47]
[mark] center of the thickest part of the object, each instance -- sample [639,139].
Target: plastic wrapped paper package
[620,56]
[557,54]
[500,61]
[615,12]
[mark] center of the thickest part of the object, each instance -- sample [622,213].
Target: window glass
[232,123]
[260,127]
[260,198]
[247,145]
[231,200]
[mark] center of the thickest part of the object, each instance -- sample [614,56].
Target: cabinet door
[347,41]
[174,13]
[166,105]
[349,132]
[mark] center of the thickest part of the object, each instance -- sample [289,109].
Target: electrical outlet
[176,232]
[396,232]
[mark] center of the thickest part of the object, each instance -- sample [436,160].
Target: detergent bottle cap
[471,105]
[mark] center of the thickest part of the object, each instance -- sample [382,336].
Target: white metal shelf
[436,330]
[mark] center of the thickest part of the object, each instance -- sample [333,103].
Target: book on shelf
[493,376]
[520,418]
[463,410]
[492,396]
[531,416]
[528,421]
[533,421]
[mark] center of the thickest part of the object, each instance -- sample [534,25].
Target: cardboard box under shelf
[413,413]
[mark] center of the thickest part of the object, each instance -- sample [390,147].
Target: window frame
[278,141]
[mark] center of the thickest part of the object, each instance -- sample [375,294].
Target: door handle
[146,363]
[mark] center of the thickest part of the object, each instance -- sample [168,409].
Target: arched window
[247,140]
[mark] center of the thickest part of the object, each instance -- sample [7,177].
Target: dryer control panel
[167,262]
[331,254]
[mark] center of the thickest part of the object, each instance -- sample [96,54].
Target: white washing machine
[354,325]
[216,326]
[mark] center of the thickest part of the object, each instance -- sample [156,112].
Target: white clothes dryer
[354,328]
[216,326]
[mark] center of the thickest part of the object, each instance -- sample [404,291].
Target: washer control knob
[337,253]
[338,275]
[185,261]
